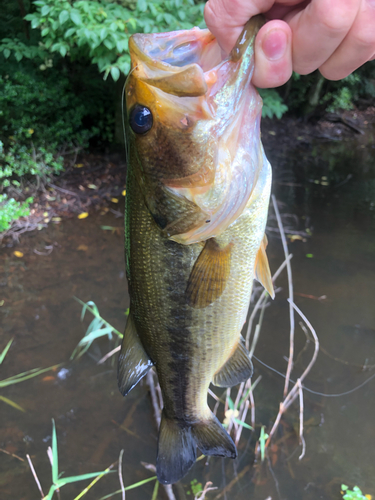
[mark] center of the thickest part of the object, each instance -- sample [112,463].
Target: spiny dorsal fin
[262,268]
[209,275]
[236,369]
[133,362]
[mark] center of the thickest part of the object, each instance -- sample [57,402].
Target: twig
[155,403]
[293,393]
[35,476]
[121,479]
[12,455]
[301,438]
[109,354]
[290,287]
[202,494]
[261,298]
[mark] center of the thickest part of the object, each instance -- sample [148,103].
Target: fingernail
[274,44]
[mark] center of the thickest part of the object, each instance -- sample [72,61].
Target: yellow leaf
[11,403]
[78,165]
[56,219]
[18,254]
[92,186]
[31,131]
[114,200]
[369,497]
[124,192]
[45,214]
[83,215]
[83,247]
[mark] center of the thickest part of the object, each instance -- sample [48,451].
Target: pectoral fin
[209,275]
[262,268]
[133,362]
[237,369]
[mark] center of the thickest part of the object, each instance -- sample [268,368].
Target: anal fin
[209,275]
[238,368]
[262,268]
[133,362]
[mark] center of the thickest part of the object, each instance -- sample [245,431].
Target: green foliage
[11,210]
[355,494]
[44,103]
[99,31]
[273,104]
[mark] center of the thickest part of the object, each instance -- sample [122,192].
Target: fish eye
[140,119]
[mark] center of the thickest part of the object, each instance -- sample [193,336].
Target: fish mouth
[179,63]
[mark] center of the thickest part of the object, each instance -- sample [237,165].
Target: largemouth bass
[198,187]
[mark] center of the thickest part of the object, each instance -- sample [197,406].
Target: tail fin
[213,439]
[177,446]
[176,451]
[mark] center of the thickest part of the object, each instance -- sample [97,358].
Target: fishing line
[315,392]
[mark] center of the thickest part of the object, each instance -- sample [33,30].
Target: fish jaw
[205,123]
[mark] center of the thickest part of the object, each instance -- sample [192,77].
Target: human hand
[336,36]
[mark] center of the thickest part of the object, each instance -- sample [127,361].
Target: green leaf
[6,349]
[103,33]
[45,31]
[230,403]
[6,53]
[69,32]
[55,458]
[244,424]
[115,73]
[63,16]
[131,487]
[45,10]
[73,479]
[25,376]
[35,22]
[142,5]
[76,17]
[63,50]
[18,56]
[12,403]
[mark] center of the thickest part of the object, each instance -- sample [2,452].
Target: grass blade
[72,479]
[83,492]
[12,403]
[131,487]
[244,424]
[25,376]
[55,458]
[155,492]
[6,349]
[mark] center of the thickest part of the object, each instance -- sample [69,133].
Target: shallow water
[94,422]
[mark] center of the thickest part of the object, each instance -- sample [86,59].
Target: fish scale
[190,293]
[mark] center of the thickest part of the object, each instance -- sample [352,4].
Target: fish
[198,187]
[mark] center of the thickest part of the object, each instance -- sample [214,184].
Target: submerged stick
[35,476]
[291,300]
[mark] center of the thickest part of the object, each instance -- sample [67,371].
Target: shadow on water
[331,189]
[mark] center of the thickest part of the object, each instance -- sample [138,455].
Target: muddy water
[331,189]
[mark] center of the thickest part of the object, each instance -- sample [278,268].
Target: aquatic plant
[21,377]
[354,494]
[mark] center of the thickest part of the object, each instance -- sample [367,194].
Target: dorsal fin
[262,268]
[209,275]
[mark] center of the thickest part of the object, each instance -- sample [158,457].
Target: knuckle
[338,19]
[365,37]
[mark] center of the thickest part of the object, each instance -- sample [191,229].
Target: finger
[273,55]
[318,30]
[226,18]
[357,47]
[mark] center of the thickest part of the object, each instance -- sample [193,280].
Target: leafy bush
[11,210]
[273,104]
[99,30]
[355,494]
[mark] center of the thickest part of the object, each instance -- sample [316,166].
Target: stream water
[330,188]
